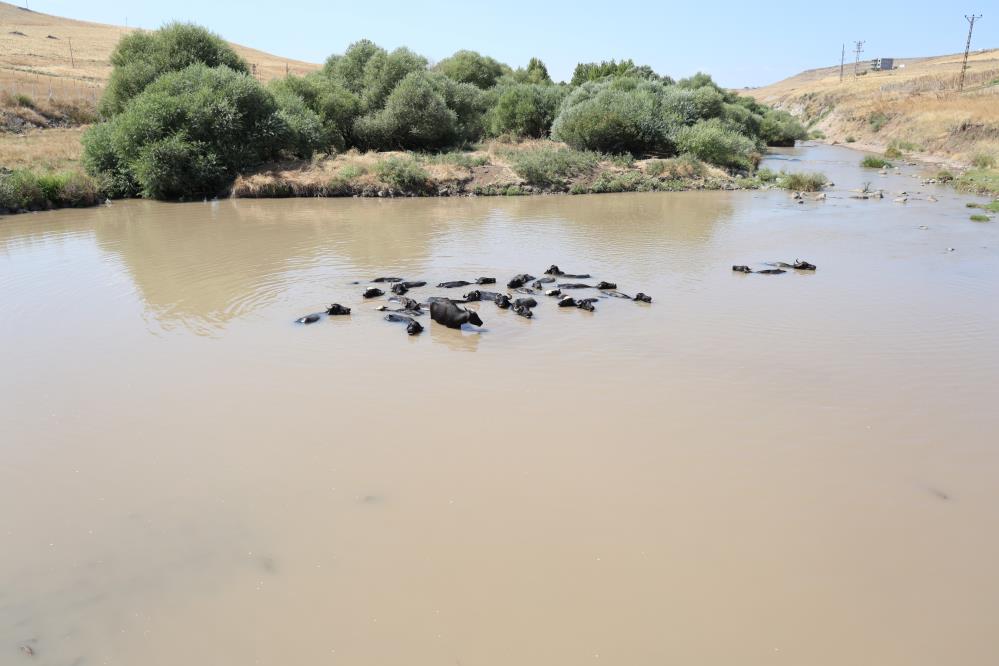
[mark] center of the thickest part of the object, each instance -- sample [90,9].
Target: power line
[857,49]
[967,47]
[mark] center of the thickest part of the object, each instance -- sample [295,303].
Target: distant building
[882,64]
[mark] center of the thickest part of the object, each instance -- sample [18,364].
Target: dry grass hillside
[35,52]
[915,106]
[46,93]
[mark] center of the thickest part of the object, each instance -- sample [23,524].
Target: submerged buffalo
[337,309]
[486,280]
[309,318]
[454,283]
[373,292]
[445,312]
[413,327]
[399,288]
[502,301]
[643,298]
[574,285]
[519,280]
[798,264]
[540,282]
[387,279]
[742,269]
[606,285]
[522,310]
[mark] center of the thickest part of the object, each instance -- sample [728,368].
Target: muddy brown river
[755,469]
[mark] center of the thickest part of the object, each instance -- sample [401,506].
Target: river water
[754,469]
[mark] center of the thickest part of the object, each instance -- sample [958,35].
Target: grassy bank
[23,190]
[493,168]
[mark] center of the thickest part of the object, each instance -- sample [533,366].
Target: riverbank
[494,168]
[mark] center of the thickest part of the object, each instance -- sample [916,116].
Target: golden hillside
[916,105]
[35,54]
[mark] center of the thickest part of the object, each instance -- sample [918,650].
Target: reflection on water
[801,465]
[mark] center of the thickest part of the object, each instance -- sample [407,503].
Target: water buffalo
[387,279]
[502,301]
[644,298]
[555,270]
[373,292]
[742,269]
[798,264]
[447,313]
[537,284]
[413,327]
[574,285]
[553,292]
[519,280]
[606,285]
[523,311]
[772,271]
[337,309]
[479,295]
[486,280]
[454,283]
[309,318]
[525,303]
[399,288]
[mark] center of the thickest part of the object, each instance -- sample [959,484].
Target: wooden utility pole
[857,49]
[967,48]
[842,60]
[72,60]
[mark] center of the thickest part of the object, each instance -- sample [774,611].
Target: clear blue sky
[739,43]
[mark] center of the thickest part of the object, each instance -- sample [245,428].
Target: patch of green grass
[875,162]
[675,168]
[893,152]
[551,166]
[26,190]
[802,182]
[877,120]
[992,207]
[459,159]
[817,134]
[980,181]
[404,173]
[352,171]
[980,218]
[851,139]
[944,176]
[623,160]
[983,161]
[766,175]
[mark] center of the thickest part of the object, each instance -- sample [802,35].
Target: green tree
[140,57]
[471,67]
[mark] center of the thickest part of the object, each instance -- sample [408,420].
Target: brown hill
[915,106]
[39,53]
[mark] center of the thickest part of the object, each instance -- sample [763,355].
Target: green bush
[980,218]
[415,117]
[893,151]
[336,106]
[525,109]
[140,57]
[875,162]
[780,128]
[801,182]
[711,141]
[551,166]
[613,117]
[187,134]
[593,71]
[851,139]
[306,131]
[475,68]
[404,173]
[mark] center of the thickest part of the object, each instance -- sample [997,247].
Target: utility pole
[967,48]
[72,60]
[842,59]
[857,49]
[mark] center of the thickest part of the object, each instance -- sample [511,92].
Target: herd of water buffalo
[448,312]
